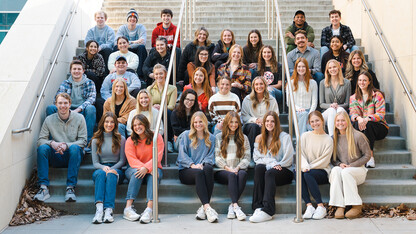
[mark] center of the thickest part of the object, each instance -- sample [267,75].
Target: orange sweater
[140,155]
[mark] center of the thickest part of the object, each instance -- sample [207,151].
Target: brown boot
[355,212]
[339,213]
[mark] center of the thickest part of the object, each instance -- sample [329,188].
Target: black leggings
[374,131]
[310,182]
[251,130]
[236,182]
[265,182]
[203,179]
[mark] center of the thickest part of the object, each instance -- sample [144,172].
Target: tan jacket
[129,105]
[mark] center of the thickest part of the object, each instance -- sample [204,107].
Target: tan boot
[339,213]
[355,212]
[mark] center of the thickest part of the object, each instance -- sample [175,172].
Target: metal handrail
[292,109]
[392,59]
[48,76]
[163,110]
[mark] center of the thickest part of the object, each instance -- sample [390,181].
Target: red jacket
[169,34]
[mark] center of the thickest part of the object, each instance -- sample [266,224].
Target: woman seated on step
[107,152]
[273,155]
[232,156]
[144,105]
[271,70]
[159,55]
[367,111]
[220,53]
[123,50]
[200,84]
[305,92]
[190,54]
[196,160]
[181,116]
[334,94]
[317,148]
[120,103]
[356,65]
[222,102]
[139,153]
[252,49]
[94,64]
[201,60]
[254,107]
[238,72]
[336,52]
[351,152]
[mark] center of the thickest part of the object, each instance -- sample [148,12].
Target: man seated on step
[103,34]
[299,23]
[336,28]
[167,30]
[136,33]
[83,95]
[311,55]
[60,143]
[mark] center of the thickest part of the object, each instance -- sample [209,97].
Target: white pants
[329,117]
[344,182]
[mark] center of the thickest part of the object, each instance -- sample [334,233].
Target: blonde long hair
[328,76]
[235,47]
[113,94]
[352,153]
[193,134]
[140,108]
[253,94]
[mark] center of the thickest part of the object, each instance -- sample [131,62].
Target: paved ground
[171,224]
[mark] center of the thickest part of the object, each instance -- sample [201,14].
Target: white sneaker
[200,214]
[212,215]
[42,194]
[130,214]
[147,216]
[240,214]
[108,215]
[260,216]
[371,163]
[256,211]
[308,212]
[319,213]
[230,214]
[98,218]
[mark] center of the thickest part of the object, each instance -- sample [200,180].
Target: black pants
[265,182]
[374,131]
[236,182]
[203,179]
[310,182]
[251,130]
[106,53]
[98,81]
[239,92]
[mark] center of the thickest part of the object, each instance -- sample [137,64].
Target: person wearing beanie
[136,33]
[299,23]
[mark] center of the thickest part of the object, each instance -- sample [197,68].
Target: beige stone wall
[398,22]
[25,55]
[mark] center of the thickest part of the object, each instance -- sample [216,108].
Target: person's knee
[43,150]
[260,167]
[90,110]
[99,174]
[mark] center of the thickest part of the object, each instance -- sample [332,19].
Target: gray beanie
[132,12]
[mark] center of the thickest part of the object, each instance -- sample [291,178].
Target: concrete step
[390,143]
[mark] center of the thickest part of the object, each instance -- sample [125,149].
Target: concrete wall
[398,22]
[25,56]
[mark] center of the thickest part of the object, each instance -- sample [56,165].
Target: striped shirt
[375,109]
[219,105]
[231,160]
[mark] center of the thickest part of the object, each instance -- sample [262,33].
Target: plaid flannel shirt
[241,75]
[88,92]
[344,32]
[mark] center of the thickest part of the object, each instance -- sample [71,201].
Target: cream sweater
[316,151]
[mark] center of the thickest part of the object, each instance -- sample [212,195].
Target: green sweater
[72,132]
[290,42]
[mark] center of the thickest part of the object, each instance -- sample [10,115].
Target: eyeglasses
[205,55]
[189,100]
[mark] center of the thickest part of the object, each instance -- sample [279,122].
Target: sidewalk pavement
[174,223]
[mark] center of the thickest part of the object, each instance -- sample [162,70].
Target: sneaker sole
[199,218]
[126,218]
[215,220]
[46,198]
[96,222]
[70,200]
[144,222]
[231,217]
[108,221]
[242,218]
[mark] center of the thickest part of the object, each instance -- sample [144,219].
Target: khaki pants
[344,182]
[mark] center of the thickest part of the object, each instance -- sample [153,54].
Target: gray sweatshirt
[107,155]
[72,132]
[77,89]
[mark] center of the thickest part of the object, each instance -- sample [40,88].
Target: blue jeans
[325,49]
[276,93]
[105,186]
[122,130]
[71,158]
[303,121]
[89,114]
[135,183]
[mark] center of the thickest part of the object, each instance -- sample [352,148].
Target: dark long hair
[147,132]
[275,145]
[208,65]
[238,136]
[99,134]
[259,45]
[181,109]
[370,88]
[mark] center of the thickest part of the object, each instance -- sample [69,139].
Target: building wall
[25,55]
[398,23]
